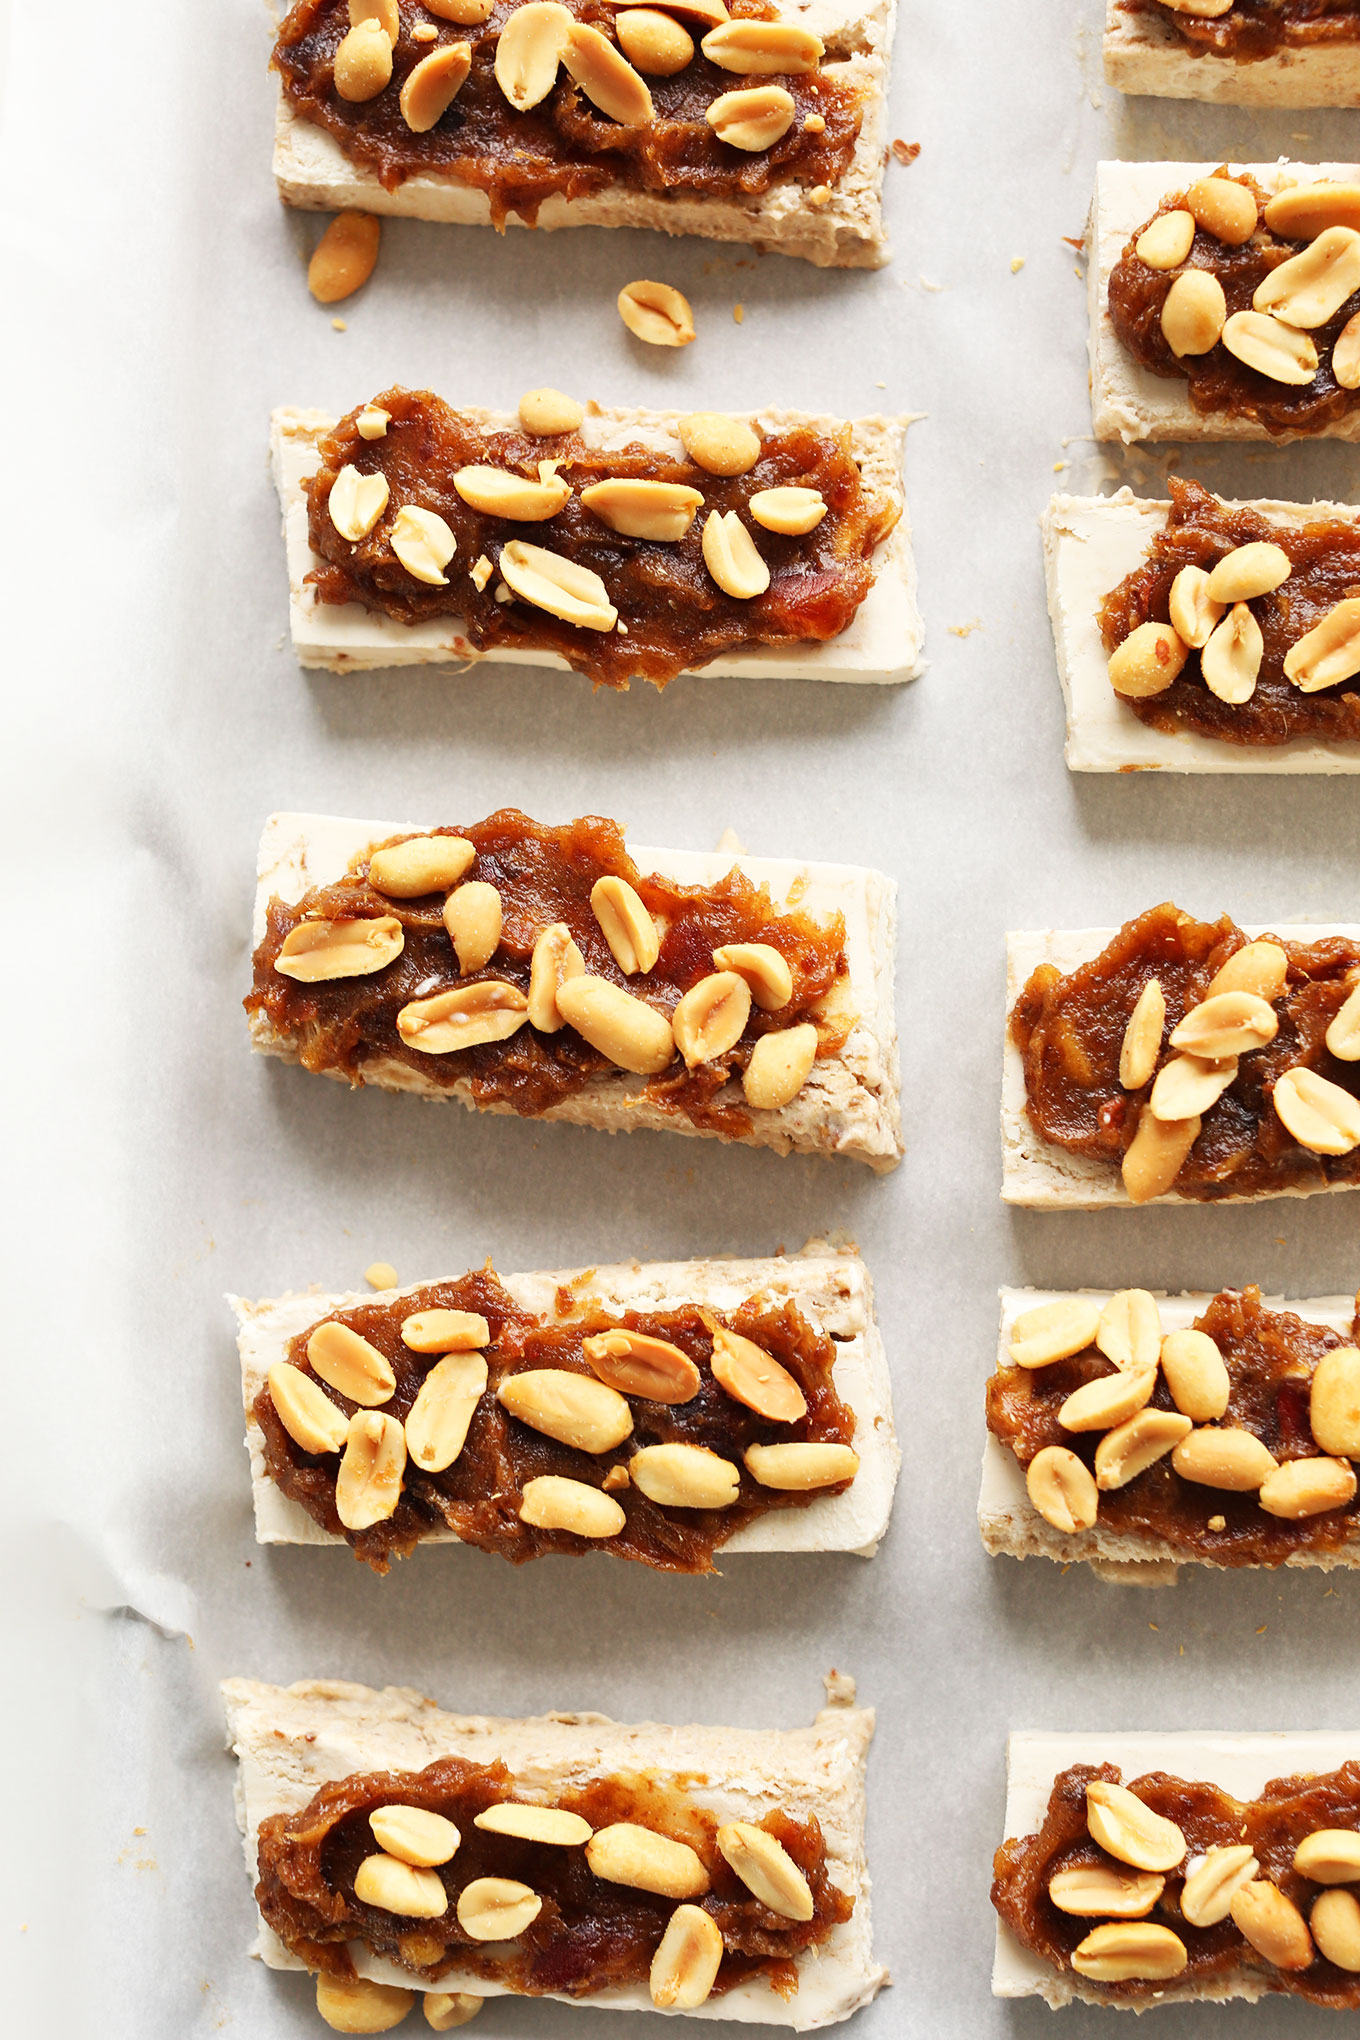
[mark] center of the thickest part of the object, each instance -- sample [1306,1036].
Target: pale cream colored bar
[1127,402]
[291,1740]
[1091,543]
[850,1104]
[882,643]
[1143,53]
[846,232]
[1012,1527]
[831,1289]
[1036,1172]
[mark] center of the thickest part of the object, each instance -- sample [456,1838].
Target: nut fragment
[1222,206]
[719,444]
[1273,1924]
[760,48]
[754,1377]
[561,586]
[1231,1023]
[551,1502]
[767,973]
[529,49]
[1193,313]
[711,1017]
[636,1364]
[1132,1447]
[654,42]
[780,1065]
[1098,1891]
[1248,571]
[368,1484]
[731,556]
[420,865]
[445,2009]
[1311,288]
[1329,652]
[753,119]
[445,1331]
[473,917]
[1335,1923]
[1231,661]
[553,1826]
[1196,1374]
[473,1014]
[1273,349]
[1307,1487]
[372,422]
[345,257]
[1188,1084]
[555,959]
[1130,1330]
[1260,967]
[1142,1043]
[1321,1116]
[790,511]
[1127,1952]
[386,12]
[1062,1489]
[1346,355]
[1109,1400]
[632,934]
[1156,1155]
[684,1477]
[315,952]
[415,1834]
[766,1868]
[1224,1456]
[1302,210]
[1343,1034]
[437,1425]
[627,1031]
[661,511]
[356,502]
[688,1957]
[1334,1402]
[547,412]
[798,1468]
[1129,1830]
[625,1853]
[606,77]
[306,1412]
[349,1364]
[575,1409]
[1193,612]
[1329,1856]
[423,543]
[656,313]
[433,85]
[1054,1331]
[1166,242]
[1146,661]
[1208,1892]
[497,1908]
[496,492]
[363,62]
[351,2004]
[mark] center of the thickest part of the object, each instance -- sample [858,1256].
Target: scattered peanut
[1343,1034]
[1109,1400]
[1231,1023]
[606,77]
[1329,1856]
[688,1957]
[626,1853]
[445,1331]
[401,1888]
[1193,313]
[1330,652]
[356,502]
[711,1017]
[1209,1890]
[1196,1375]
[363,62]
[754,1377]
[1224,1456]
[1188,1085]
[656,313]
[1130,1330]
[1123,1952]
[553,1826]
[1098,1891]
[550,581]
[351,2004]
[1311,288]
[420,865]
[660,511]
[1156,1155]
[798,1468]
[1321,1116]
[636,1364]
[1062,1489]
[1334,1402]
[1167,241]
[306,1412]
[1231,661]
[529,49]
[555,959]
[767,972]
[1146,661]
[438,1421]
[654,42]
[349,1364]
[316,952]
[684,1477]
[345,257]
[466,1018]
[753,119]
[719,444]
[472,915]
[732,557]
[789,511]
[633,938]
[1222,206]
[545,413]
[1273,1924]
[1307,1487]
[1142,1042]
[1193,611]
[766,1868]
[1128,1829]
[627,1031]
[780,1065]
[1335,1923]
[433,85]
[1132,1447]
[368,1484]
[424,544]
[759,48]
[1248,571]
[496,492]
[1302,210]
[575,1409]
[1260,967]
[1273,349]
[552,1502]
[1054,1331]
[497,1908]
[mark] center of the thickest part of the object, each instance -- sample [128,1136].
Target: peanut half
[1260,967]
[1266,344]
[529,49]
[1222,206]
[1196,1374]
[684,1477]
[1335,1923]
[349,1364]
[386,13]
[552,1502]
[1209,1890]
[655,43]
[1302,210]
[547,412]
[552,1826]
[550,581]
[1054,1331]
[420,865]
[465,1018]
[686,1964]
[497,1908]
[754,1377]
[1193,313]
[315,952]
[356,502]
[424,544]
[1329,1856]
[1273,1924]
[369,1482]
[1307,1487]
[761,48]
[445,1331]
[625,1853]
[1231,661]
[660,511]
[1334,1402]
[415,1835]
[1224,1456]
[1156,1155]
[351,2004]
[555,959]
[437,1425]
[753,119]
[433,85]
[1128,1829]
[711,1017]
[790,511]
[306,1412]
[780,1065]
[575,1409]
[1231,1023]
[363,62]
[1188,1085]
[1346,355]
[732,557]
[1311,288]
[1146,661]
[473,916]
[1330,652]
[1192,610]
[496,492]
[1248,571]
[1142,1043]
[632,935]
[1062,1489]
[345,257]
[627,1031]
[1321,1116]
[766,1868]
[1130,1330]
[719,444]
[769,977]
[1124,1953]
[1111,1399]
[1098,1891]
[798,1468]
[1343,1035]
[1167,240]
[1132,1447]
[607,78]
[656,313]
[636,1364]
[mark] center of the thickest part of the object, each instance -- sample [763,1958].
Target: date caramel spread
[1188,1057]
[522,963]
[1169,1882]
[1229,1443]
[1247,30]
[620,1880]
[1252,300]
[1239,627]
[614,560]
[654,1434]
[527,106]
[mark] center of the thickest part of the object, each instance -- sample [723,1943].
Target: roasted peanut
[1193,612]
[660,511]
[753,119]
[1330,652]
[1124,1952]
[606,77]
[363,63]
[304,1409]
[655,43]
[445,1331]
[420,865]
[575,1409]
[1209,1889]
[433,85]
[472,915]
[356,502]
[633,938]
[1193,313]
[1248,571]
[1231,661]
[1165,243]
[798,1468]
[1335,1923]
[1146,661]
[445,2009]
[760,48]
[766,1868]
[552,1826]
[790,511]
[719,444]
[497,492]
[684,1477]
[1260,967]
[1156,1155]
[551,1502]
[497,1908]
[1343,1035]
[1231,1023]
[1266,344]
[1224,1456]
[413,1834]
[1142,1043]
[780,1065]
[545,413]
[1188,1085]
[1128,1829]
[1222,206]
[400,1888]
[438,1420]
[350,1364]
[732,557]
[529,49]
[315,952]
[550,581]
[626,1853]
[1321,1116]
[372,422]
[1098,1891]
[1311,288]
[351,2004]
[1129,1333]
[1196,1375]
[688,1957]
[369,1482]
[424,544]
[1062,1489]
[555,959]
[1334,1402]
[711,1017]
[485,1011]
[1307,1487]
[1054,1331]
[1273,1924]
[345,257]
[765,971]
[1109,1400]
[1346,355]
[1135,1445]
[1302,210]
[656,313]
[1329,1856]
[627,1031]
[636,1364]
[754,1377]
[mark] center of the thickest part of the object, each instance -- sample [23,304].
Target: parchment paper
[155,309]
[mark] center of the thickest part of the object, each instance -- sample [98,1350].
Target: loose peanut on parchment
[345,257]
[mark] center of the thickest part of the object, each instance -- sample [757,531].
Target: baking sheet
[156,309]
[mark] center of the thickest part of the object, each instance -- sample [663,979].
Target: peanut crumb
[1152,1625]
[820,194]
[480,574]
[1060,465]
[962,630]
[1017,264]
[339,325]
[381,1275]
[1218,1522]
[1262,1630]
[814,125]
[425,32]
[621,627]
[738,313]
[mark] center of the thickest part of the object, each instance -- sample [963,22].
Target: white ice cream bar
[1128,402]
[850,1103]
[831,1290]
[1242,1765]
[1143,53]
[1091,544]
[291,1740]
[1012,1527]
[1046,1177]
[882,642]
[844,232]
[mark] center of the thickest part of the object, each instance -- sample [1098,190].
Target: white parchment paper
[155,308]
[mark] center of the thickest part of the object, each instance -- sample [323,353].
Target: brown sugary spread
[479,1496]
[1274,1824]
[590,1935]
[1325,557]
[1070,1027]
[1218,382]
[677,616]
[564,146]
[545,875]
[1252,29]
[1270,1356]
